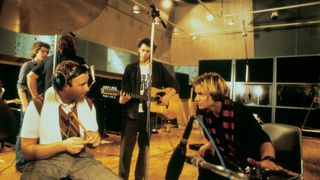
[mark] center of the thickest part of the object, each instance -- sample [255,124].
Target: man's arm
[267,161]
[267,150]
[23,98]
[22,85]
[32,83]
[169,82]
[31,148]
[124,98]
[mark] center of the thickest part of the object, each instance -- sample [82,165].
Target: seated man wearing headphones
[237,135]
[59,126]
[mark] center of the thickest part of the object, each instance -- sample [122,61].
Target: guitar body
[171,111]
[157,107]
[174,110]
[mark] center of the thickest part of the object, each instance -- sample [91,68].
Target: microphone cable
[212,142]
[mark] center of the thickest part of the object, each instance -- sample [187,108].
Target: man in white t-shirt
[58,126]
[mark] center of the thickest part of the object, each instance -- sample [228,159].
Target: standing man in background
[66,51]
[39,52]
[135,80]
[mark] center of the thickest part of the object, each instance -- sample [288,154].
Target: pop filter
[178,157]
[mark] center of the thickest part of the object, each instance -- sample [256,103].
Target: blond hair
[214,84]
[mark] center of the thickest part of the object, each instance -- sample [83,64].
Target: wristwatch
[270,158]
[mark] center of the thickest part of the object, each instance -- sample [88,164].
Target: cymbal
[48,17]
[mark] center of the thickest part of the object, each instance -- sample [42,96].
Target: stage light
[210,17]
[166,4]
[136,9]
[274,15]
[231,22]
[240,89]
[175,32]
[258,91]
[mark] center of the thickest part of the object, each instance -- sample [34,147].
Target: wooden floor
[161,148]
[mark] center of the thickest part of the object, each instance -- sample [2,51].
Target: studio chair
[287,142]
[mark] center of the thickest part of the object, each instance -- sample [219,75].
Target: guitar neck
[16,101]
[140,97]
[108,91]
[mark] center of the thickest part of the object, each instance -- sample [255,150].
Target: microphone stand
[154,14]
[54,63]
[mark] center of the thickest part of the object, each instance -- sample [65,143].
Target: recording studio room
[265,53]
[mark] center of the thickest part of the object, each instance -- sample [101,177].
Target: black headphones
[60,79]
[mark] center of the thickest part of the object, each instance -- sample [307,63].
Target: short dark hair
[147,42]
[36,46]
[66,44]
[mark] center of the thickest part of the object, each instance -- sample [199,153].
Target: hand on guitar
[124,97]
[271,167]
[265,164]
[166,98]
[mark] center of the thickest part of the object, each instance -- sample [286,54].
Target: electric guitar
[155,103]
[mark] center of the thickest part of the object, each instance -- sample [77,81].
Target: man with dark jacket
[135,80]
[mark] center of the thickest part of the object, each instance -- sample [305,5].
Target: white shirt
[46,127]
[144,76]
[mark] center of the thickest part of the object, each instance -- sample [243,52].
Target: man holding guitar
[134,115]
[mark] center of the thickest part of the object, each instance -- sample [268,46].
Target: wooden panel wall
[117,27]
[215,39]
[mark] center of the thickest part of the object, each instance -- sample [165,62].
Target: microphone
[177,159]
[198,162]
[156,15]
[92,74]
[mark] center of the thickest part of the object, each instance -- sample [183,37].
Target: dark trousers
[129,131]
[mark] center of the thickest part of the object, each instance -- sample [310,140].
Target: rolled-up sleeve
[30,126]
[22,79]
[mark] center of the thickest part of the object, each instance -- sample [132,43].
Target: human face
[79,88]
[41,54]
[203,98]
[144,53]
